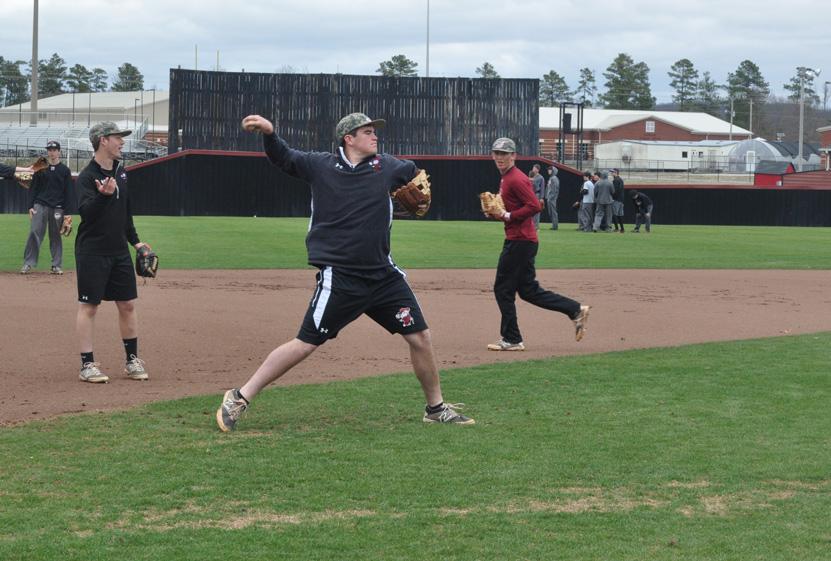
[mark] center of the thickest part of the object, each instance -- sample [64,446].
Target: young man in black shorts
[102,257]
[349,242]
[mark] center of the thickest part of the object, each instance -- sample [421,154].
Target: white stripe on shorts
[323,298]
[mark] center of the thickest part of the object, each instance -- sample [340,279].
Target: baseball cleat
[91,373]
[580,322]
[448,414]
[232,408]
[503,345]
[55,270]
[135,369]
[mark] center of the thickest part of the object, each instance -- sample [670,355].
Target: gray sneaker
[56,270]
[230,411]
[26,269]
[503,345]
[135,369]
[448,414]
[580,322]
[91,372]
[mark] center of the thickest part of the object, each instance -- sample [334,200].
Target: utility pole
[730,137]
[33,105]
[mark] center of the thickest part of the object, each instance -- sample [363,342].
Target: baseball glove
[492,205]
[147,262]
[40,164]
[414,197]
[66,226]
[25,177]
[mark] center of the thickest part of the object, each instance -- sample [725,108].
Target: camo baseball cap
[503,145]
[106,128]
[354,121]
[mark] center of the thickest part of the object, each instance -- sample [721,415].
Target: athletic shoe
[580,322]
[135,369]
[56,270]
[91,373]
[448,414]
[503,345]
[26,269]
[231,410]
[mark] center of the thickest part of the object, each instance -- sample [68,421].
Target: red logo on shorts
[404,317]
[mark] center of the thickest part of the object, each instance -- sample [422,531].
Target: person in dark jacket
[643,211]
[102,256]
[619,197]
[603,189]
[552,193]
[48,200]
[349,243]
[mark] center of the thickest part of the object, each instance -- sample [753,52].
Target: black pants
[516,274]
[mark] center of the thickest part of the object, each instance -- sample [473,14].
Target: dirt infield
[202,332]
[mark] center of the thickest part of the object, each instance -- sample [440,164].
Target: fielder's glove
[414,197]
[492,205]
[66,225]
[147,262]
[25,177]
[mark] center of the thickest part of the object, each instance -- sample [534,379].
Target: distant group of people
[601,203]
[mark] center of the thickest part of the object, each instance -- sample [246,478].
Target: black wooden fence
[244,184]
[440,116]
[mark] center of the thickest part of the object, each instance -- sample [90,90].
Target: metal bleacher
[24,141]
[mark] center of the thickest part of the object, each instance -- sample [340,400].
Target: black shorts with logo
[105,277]
[343,295]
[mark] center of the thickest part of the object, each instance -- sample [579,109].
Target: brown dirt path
[202,332]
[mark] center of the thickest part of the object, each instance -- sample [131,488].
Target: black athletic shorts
[105,277]
[342,295]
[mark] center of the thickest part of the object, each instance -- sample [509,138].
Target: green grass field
[704,452]
[264,243]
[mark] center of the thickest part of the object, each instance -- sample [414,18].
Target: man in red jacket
[515,273]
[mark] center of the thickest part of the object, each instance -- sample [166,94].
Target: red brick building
[606,125]
[825,145]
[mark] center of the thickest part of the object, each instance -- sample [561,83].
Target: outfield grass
[264,243]
[705,452]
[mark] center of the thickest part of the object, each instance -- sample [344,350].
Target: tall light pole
[428,40]
[33,104]
[802,75]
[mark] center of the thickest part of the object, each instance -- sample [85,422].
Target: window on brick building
[650,127]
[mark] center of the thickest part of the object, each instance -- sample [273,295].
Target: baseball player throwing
[349,243]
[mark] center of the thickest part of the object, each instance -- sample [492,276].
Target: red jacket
[520,200]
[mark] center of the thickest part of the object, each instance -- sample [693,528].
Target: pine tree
[487,71]
[399,66]
[586,87]
[129,79]
[744,84]
[804,80]
[553,90]
[685,83]
[627,85]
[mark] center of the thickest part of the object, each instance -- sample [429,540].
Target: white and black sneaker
[232,408]
[448,414]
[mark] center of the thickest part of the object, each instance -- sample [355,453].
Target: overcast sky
[520,39]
